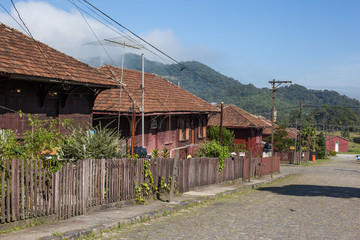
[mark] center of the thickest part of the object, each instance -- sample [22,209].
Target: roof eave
[54,80]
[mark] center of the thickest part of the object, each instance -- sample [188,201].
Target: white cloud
[64,31]
[67,31]
[166,41]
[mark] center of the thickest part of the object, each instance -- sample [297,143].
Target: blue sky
[314,43]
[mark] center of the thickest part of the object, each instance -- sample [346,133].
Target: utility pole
[133,128]
[123,44]
[300,126]
[273,82]
[221,122]
[295,153]
[142,103]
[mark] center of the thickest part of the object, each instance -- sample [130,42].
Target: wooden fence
[293,157]
[30,190]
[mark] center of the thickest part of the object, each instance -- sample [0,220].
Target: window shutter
[180,129]
[187,129]
[199,128]
[204,128]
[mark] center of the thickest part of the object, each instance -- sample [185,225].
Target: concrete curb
[75,234]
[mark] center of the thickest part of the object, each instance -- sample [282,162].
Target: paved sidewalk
[113,217]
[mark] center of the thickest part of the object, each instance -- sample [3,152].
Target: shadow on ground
[314,191]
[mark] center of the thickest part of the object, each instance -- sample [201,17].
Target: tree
[321,146]
[228,136]
[281,140]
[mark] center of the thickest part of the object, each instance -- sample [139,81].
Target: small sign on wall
[154,124]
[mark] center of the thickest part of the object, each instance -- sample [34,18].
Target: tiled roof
[329,137]
[23,57]
[160,95]
[236,117]
[267,129]
[292,132]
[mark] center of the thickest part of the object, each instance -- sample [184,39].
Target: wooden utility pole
[273,82]
[221,122]
[133,128]
[300,126]
[142,103]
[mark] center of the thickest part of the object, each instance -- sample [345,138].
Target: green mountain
[213,86]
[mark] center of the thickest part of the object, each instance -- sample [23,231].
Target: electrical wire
[13,18]
[117,30]
[151,45]
[31,36]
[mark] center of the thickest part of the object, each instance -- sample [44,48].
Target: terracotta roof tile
[329,137]
[292,132]
[160,94]
[236,117]
[23,56]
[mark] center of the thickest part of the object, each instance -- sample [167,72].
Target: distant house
[173,117]
[247,128]
[37,79]
[292,132]
[336,143]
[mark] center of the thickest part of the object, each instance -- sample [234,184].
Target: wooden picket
[29,189]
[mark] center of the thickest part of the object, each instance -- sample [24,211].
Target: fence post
[174,174]
[250,153]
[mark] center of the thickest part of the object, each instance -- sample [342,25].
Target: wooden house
[173,117]
[292,132]
[247,127]
[37,79]
[336,143]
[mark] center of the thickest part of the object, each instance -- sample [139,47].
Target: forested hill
[215,87]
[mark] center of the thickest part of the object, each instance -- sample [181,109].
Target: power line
[13,18]
[151,45]
[131,39]
[28,32]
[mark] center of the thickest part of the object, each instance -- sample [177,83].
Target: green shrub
[44,136]
[333,153]
[98,143]
[10,148]
[213,149]
[228,136]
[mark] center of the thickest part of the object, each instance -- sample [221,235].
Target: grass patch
[36,222]
[277,181]
[57,234]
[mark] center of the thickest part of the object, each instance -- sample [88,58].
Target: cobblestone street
[319,202]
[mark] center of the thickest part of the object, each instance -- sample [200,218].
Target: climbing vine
[148,188]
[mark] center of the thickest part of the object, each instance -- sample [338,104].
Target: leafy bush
[228,136]
[213,149]
[356,139]
[43,137]
[98,143]
[333,153]
[9,146]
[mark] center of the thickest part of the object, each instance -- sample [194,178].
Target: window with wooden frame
[184,129]
[202,128]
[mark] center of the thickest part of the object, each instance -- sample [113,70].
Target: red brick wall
[343,144]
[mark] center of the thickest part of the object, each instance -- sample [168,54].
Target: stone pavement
[128,214]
